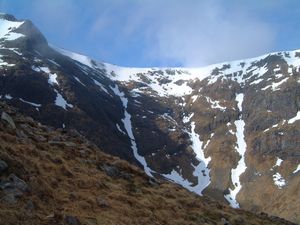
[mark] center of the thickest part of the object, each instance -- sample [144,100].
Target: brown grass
[66,181]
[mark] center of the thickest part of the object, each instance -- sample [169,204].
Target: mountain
[229,131]
[55,176]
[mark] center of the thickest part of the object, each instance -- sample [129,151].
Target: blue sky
[145,33]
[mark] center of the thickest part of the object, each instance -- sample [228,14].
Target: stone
[30,206]
[153,182]
[110,170]
[17,182]
[13,188]
[7,118]
[3,166]
[224,222]
[39,138]
[102,203]
[114,171]
[126,176]
[72,220]
[10,198]
[21,134]
[62,143]
[4,184]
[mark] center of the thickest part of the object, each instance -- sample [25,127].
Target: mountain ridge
[195,132]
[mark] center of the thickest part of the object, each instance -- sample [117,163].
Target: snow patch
[30,103]
[187,119]
[166,116]
[7,29]
[276,69]
[275,85]
[197,145]
[278,76]
[8,96]
[275,125]
[177,178]
[297,169]
[53,62]
[279,181]
[101,86]
[36,69]
[75,56]
[52,79]
[61,102]
[128,127]
[194,98]
[134,94]
[294,119]
[230,130]
[52,76]
[215,104]
[3,63]
[45,69]
[241,149]
[208,141]
[278,162]
[79,81]
[119,129]
[256,81]
[201,171]
[15,50]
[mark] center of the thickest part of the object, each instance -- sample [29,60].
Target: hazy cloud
[190,32]
[58,15]
[200,32]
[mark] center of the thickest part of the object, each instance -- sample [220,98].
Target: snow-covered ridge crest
[7,28]
[165,81]
[85,60]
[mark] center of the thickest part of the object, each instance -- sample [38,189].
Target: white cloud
[200,32]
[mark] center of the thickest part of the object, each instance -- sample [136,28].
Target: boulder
[110,170]
[17,182]
[62,143]
[224,222]
[13,188]
[114,171]
[102,203]
[3,166]
[72,220]
[11,198]
[7,118]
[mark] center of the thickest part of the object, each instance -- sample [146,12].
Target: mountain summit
[229,131]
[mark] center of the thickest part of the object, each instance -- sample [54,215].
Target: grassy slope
[65,176]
